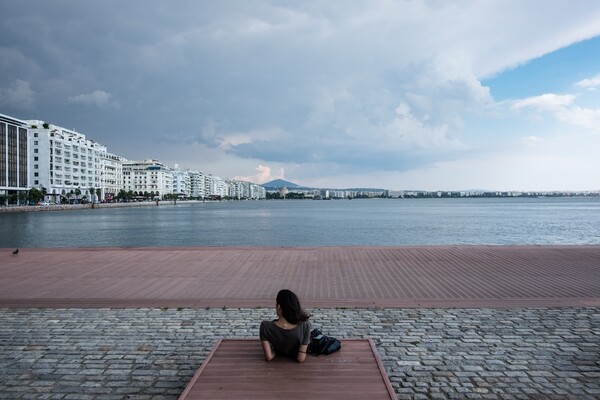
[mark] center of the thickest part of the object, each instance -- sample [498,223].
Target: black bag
[321,344]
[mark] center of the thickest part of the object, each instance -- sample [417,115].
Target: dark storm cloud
[369,86]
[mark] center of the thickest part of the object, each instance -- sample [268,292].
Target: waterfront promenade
[448,322]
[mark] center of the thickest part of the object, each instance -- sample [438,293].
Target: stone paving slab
[521,353]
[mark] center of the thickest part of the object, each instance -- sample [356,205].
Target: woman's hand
[268,350]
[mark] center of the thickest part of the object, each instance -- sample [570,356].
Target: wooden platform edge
[382,372]
[191,383]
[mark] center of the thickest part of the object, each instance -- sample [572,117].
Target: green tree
[98,193]
[92,192]
[77,193]
[35,195]
[121,195]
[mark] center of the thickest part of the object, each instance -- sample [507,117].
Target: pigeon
[16,252]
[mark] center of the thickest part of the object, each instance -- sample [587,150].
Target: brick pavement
[521,353]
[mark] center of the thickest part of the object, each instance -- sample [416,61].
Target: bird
[16,252]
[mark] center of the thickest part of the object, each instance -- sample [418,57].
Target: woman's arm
[269,352]
[302,353]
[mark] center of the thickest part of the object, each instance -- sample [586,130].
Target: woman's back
[286,341]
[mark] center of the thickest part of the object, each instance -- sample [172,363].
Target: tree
[77,193]
[35,195]
[98,193]
[92,191]
[121,195]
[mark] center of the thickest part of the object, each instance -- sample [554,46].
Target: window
[36,174]
[35,142]
[35,166]
[35,150]
[36,182]
[35,158]
[35,134]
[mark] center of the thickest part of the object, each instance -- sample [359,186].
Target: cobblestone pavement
[527,353]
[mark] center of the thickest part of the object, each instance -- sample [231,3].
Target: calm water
[378,222]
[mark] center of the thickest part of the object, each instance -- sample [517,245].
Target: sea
[274,223]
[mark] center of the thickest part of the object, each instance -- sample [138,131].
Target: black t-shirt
[285,341]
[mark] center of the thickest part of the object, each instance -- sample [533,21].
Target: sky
[401,95]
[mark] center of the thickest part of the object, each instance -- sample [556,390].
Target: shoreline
[91,206]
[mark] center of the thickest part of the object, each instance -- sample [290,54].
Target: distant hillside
[279,183]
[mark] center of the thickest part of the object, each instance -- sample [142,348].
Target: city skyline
[420,95]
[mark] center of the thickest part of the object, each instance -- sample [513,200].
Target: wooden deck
[236,369]
[436,276]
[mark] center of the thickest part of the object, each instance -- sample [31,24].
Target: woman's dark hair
[290,307]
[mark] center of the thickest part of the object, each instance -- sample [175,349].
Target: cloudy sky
[495,95]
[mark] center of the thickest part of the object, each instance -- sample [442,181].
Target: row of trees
[35,195]
[129,195]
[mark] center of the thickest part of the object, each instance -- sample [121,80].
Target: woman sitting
[288,335]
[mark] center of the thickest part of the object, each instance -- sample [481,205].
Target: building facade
[14,154]
[147,178]
[197,184]
[181,183]
[215,187]
[64,163]
[242,190]
[111,178]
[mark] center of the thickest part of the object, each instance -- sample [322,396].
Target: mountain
[279,183]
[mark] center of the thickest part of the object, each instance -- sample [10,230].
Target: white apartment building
[235,189]
[245,190]
[111,178]
[257,192]
[197,184]
[215,187]
[14,144]
[147,177]
[63,162]
[181,182]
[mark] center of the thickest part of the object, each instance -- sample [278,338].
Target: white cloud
[563,108]
[19,95]
[561,166]
[545,102]
[590,83]
[531,139]
[228,141]
[263,175]
[98,98]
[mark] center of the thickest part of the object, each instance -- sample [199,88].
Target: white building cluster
[66,165]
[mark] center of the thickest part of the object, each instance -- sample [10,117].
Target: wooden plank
[236,369]
[435,276]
